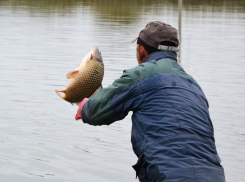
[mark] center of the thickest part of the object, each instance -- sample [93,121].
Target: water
[41,41]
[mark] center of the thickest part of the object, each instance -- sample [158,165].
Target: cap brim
[134,40]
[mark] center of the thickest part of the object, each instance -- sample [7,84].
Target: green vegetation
[124,11]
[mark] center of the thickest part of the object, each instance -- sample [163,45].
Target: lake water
[41,41]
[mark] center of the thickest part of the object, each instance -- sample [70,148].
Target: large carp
[85,80]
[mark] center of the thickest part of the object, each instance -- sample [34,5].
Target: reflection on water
[124,11]
[41,41]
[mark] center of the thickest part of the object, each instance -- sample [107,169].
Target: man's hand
[78,115]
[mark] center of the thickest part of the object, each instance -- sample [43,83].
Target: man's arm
[114,102]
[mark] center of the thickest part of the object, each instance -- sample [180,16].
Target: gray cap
[156,32]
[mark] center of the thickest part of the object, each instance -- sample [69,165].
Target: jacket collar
[159,55]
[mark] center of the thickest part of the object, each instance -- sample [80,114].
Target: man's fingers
[77,117]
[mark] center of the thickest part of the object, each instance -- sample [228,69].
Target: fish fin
[59,94]
[77,103]
[99,88]
[89,58]
[72,74]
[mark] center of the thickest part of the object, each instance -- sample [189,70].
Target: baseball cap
[156,32]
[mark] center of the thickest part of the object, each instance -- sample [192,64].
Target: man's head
[156,36]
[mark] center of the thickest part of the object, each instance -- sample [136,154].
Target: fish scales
[87,83]
[86,79]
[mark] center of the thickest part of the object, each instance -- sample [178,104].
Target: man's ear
[141,53]
[144,52]
[141,49]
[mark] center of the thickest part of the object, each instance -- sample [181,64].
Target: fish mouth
[97,54]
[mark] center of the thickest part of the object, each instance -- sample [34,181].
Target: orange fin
[72,74]
[59,94]
[77,103]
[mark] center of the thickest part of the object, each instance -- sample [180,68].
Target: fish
[85,80]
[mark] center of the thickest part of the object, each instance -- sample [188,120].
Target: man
[172,133]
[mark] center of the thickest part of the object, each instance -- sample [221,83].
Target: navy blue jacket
[172,133]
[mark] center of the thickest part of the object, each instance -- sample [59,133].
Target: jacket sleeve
[114,102]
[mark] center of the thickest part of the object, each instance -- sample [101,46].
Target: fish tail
[59,93]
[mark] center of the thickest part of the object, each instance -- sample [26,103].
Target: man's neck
[159,55]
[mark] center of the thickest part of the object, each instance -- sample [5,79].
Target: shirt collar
[160,55]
